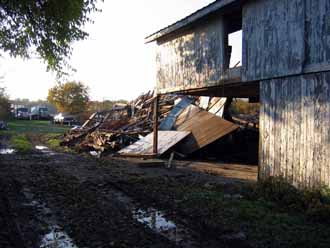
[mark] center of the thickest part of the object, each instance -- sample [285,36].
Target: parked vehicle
[3,125]
[67,119]
[22,113]
[39,113]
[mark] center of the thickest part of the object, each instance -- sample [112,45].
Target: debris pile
[121,126]
[186,124]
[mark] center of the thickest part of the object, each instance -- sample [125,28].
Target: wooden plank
[272,129]
[261,170]
[188,113]
[155,127]
[327,133]
[297,120]
[218,108]
[89,120]
[205,128]
[166,140]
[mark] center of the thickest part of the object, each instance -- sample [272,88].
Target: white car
[62,118]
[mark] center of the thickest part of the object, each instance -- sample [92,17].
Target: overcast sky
[114,61]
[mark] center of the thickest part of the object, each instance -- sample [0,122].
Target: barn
[285,64]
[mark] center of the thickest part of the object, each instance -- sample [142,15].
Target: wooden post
[155,126]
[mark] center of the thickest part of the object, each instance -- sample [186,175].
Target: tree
[44,27]
[4,105]
[71,97]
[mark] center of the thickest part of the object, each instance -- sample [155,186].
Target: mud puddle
[44,150]
[55,237]
[159,222]
[95,154]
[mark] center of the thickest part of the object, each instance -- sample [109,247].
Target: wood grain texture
[192,60]
[294,128]
[317,19]
[166,140]
[273,38]
[205,128]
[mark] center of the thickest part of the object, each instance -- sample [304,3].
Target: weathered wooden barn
[285,63]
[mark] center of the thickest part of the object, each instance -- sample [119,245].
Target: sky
[114,61]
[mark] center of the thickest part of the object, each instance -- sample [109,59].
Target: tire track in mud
[90,218]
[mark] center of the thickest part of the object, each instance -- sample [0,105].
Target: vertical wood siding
[273,38]
[317,32]
[285,37]
[192,60]
[295,129]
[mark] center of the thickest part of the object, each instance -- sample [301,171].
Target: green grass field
[20,134]
[23,126]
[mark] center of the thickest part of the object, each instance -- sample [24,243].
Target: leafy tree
[4,105]
[44,27]
[71,97]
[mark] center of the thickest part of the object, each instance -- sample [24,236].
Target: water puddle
[95,154]
[44,150]
[56,236]
[159,222]
[7,151]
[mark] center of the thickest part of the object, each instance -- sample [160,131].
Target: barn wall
[192,60]
[285,37]
[317,23]
[273,38]
[295,129]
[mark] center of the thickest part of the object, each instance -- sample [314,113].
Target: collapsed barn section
[188,127]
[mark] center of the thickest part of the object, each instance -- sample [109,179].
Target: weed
[21,143]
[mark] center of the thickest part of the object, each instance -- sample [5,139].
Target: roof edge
[188,20]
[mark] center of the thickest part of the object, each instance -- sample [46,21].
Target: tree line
[71,98]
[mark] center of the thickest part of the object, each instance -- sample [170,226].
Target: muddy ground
[52,199]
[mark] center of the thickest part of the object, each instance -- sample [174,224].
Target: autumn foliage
[70,97]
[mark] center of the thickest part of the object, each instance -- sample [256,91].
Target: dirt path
[77,201]
[50,199]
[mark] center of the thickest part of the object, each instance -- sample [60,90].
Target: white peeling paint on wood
[192,60]
[273,38]
[317,32]
[294,122]
[285,37]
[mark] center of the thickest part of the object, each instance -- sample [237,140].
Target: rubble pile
[121,126]
[186,124]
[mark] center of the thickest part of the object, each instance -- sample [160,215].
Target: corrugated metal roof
[201,13]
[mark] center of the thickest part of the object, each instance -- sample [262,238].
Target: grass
[21,143]
[23,126]
[21,132]
[244,107]
[271,214]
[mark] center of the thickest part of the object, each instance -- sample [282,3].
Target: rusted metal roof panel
[205,128]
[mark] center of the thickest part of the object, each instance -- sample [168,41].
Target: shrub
[244,107]
[21,143]
[277,189]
